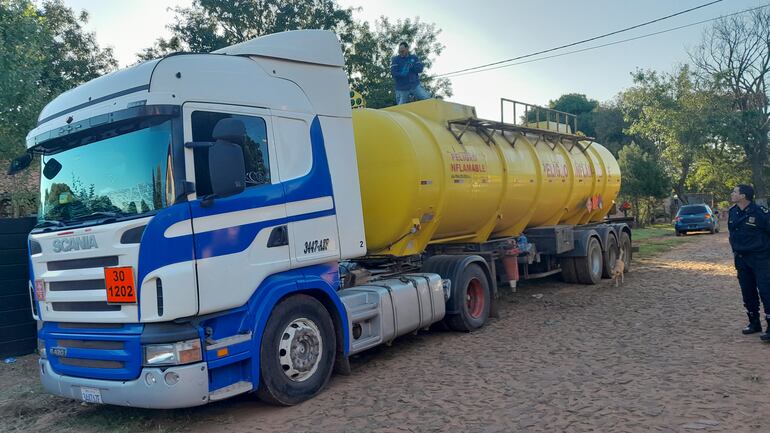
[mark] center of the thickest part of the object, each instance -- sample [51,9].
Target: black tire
[626,253]
[296,312]
[589,268]
[473,288]
[609,256]
[713,230]
[568,272]
[716,229]
[678,233]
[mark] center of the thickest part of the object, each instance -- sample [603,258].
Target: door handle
[279,237]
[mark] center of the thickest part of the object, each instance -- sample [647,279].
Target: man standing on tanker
[406,69]
[749,226]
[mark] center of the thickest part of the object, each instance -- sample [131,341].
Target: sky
[480,32]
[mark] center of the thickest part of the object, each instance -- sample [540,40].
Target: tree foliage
[735,56]
[643,175]
[43,52]
[644,181]
[208,25]
[680,118]
[582,107]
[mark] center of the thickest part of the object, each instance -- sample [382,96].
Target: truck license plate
[120,287]
[91,395]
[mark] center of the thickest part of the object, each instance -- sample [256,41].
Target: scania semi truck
[223,223]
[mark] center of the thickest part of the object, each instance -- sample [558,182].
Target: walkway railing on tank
[535,113]
[531,123]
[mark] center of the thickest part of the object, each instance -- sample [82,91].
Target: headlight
[182,352]
[41,348]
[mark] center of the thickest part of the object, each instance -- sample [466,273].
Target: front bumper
[192,388]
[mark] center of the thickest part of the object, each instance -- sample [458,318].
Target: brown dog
[617,271]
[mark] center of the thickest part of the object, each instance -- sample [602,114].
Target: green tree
[582,107]
[644,181]
[735,55]
[43,52]
[677,115]
[208,25]
[610,125]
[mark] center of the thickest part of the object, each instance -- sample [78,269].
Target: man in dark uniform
[749,226]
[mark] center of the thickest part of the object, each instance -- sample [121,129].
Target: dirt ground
[663,353]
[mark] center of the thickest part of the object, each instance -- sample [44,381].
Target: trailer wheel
[474,290]
[568,272]
[297,351]
[626,253]
[609,257]
[589,268]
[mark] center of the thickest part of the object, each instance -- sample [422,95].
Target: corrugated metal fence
[17,328]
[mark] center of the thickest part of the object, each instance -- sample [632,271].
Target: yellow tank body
[419,185]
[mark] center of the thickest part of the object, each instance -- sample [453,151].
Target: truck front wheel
[473,290]
[297,351]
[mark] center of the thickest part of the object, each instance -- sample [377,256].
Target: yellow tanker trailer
[531,200]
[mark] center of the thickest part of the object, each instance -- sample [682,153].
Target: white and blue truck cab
[194,210]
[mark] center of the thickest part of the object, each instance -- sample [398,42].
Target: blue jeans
[402,96]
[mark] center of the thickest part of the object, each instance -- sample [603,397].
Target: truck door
[239,240]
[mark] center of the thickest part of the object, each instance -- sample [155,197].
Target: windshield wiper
[97,215]
[48,223]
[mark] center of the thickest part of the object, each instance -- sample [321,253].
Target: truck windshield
[121,176]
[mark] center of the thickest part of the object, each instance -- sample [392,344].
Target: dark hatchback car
[695,218]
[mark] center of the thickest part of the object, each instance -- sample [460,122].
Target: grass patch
[656,239]
[653,231]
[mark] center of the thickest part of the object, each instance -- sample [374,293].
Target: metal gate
[17,328]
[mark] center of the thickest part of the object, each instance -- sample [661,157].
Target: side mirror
[227,167]
[51,169]
[20,163]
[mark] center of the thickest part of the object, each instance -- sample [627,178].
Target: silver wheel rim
[299,350]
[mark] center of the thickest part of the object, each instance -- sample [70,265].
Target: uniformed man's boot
[754,325]
[766,335]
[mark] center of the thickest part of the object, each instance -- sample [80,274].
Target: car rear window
[692,210]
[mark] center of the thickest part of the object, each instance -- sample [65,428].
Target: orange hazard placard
[120,285]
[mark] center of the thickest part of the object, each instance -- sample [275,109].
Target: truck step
[228,341]
[231,390]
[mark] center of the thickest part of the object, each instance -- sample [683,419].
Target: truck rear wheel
[626,253]
[609,257]
[473,289]
[297,351]
[589,268]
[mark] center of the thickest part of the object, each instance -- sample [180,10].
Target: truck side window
[254,148]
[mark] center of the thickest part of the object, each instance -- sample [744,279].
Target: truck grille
[91,344]
[91,262]
[94,350]
[84,306]
[61,286]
